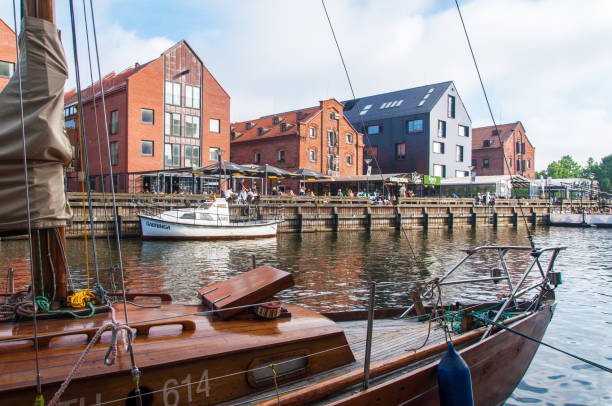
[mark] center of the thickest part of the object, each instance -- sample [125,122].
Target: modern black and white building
[424,129]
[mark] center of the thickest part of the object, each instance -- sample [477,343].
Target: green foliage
[564,168]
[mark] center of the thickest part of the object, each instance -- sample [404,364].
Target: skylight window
[399,102]
[430,90]
[422,102]
[426,96]
[365,110]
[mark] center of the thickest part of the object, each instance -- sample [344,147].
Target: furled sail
[43,72]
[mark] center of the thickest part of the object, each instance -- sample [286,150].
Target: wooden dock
[332,213]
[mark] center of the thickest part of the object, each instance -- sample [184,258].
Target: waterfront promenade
[327,213]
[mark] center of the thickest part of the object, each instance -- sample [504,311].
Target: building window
[173,93]
[451,107]
[257,157]
[464,131]
[146,148]
[462,174]
[520,147]
[519,167]
[374,129]
[485,163]
[414,126]
[486,143]
[281,156]
[349,138]
[474,163]
[438,147]
[173,124]
[215,125]
[331,115]
[459,153]
[349,160]
[332,138]
[172,154]
[312,155]
[332,163]
[312,131]
[439,170]
[114,150]
[192,126]
[192,156]
[441,129]
[370,152]
[529,164]
[400,151]
[114,122]
[192,97]
[146,116]
[510,162]
[6,69]
[213,154]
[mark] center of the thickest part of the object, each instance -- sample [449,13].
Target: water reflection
[342,265]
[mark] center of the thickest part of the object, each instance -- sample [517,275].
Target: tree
[604,173]
[564,168]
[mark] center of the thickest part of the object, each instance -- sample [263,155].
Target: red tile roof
[240,133]
[479,135]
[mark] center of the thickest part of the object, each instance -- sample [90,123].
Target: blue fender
[454,379]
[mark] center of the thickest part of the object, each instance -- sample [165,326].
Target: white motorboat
[210,220]
[580,220]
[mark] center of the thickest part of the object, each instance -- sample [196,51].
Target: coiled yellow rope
[79,299]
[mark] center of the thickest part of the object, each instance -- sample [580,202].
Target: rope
[80,299]
[273,367]
[593,363]
[529,236]
[110,357]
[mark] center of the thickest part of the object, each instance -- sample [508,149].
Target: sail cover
[43,71]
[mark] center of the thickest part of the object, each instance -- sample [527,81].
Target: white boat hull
[580,220]
[152,228]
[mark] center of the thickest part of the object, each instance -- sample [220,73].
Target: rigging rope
[467,37]
[485,319]
[363,128]
[39,397]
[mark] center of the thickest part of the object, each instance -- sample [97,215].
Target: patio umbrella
[269,171]
[309,174]
[228,168]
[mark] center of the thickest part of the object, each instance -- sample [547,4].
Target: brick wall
[145,90]
[216,105]
[7,48]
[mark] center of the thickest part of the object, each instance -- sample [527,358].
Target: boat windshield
[206,205]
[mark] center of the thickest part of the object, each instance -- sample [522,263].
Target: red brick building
[8,56]
[167,114]
[487,154]
[318,138]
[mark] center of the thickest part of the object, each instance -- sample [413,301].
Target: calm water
[332,271]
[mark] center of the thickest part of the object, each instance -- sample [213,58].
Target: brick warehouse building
[318,138]
[8,56]
[164,115]
[487,156]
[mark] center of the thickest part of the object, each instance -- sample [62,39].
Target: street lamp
[220,155]
[368,171]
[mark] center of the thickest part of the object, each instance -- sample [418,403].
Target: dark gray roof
[393,104]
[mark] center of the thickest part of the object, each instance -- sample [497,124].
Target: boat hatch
[286,366]
[249,288]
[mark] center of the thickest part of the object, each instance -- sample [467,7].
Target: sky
[545,63]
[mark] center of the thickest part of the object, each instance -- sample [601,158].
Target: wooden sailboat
[240,346]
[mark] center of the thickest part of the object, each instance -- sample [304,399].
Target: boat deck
[391,338]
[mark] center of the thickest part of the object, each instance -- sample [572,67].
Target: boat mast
[48,256]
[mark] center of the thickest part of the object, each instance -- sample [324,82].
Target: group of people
[245,194]
[484,199]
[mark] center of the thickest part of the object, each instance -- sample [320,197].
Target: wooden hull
[152,228]
[497,365]
[203,363]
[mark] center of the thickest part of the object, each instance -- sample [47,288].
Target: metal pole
[253,262]
[368,350]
